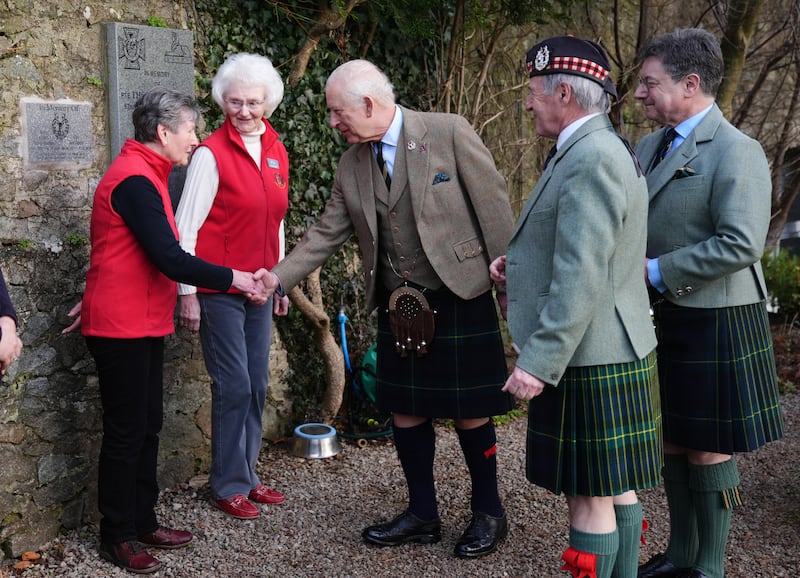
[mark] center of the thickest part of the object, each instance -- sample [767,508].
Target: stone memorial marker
[138,58]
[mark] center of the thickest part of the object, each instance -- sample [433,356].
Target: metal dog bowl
[315,440]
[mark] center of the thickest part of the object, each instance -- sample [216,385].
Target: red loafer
[166,538]
[131,556]
[265,495]
[238,506]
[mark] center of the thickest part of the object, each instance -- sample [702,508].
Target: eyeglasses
[237,104]
[649,83]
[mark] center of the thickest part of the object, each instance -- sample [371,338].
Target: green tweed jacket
[710,203]
[459,201]
[574,267]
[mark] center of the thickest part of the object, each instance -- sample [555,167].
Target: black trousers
[130,372]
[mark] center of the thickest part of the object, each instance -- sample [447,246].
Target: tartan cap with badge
[571,55]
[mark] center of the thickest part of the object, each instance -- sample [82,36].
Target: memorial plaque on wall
[56,134]
[138,58]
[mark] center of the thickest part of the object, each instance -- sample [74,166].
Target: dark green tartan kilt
[598,433]
[463,372]
[719,389]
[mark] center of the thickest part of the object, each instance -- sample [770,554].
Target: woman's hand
[189,312]
[74,312]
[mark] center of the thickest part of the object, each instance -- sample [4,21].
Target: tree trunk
[313,310]
[329,20]
[738,31]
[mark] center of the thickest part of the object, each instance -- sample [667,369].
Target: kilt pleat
[598,433]
[719,385]
[463,372]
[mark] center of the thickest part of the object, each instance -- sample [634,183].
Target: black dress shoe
[659,566]
[691,573]
[481,536]
[404,528]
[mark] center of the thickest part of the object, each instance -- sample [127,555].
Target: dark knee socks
[480,453]
[415,448]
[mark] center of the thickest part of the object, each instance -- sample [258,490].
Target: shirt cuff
[279,291]
[654,275]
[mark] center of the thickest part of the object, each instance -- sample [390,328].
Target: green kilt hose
[465,368]
[719,390]
[598,433]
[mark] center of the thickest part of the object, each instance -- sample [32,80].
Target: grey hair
[249,70]
[590,95]
[165,106]
[686,51]
[360,78]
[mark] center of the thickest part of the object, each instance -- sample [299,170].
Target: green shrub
[782,273]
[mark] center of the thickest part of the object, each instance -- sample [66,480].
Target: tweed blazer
[574,267]
[459,201]
[710,203]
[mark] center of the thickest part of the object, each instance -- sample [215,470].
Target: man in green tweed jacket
[578,311]
[710,203]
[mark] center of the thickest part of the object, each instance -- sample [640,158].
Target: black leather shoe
[691,573]
[404,528]
[659,566]
[481,536]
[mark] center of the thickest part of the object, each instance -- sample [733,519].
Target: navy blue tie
[382,165]
[551,153]
[666,146]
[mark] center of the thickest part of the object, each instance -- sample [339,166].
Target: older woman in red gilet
[231,212]
[126,311]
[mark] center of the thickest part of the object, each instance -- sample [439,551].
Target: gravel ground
[316,532]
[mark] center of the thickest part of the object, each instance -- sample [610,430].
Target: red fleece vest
[126,295]
[241,230]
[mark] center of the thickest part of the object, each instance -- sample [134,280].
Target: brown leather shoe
[131,556]
[166,538]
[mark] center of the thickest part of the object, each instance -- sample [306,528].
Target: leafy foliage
[782,274]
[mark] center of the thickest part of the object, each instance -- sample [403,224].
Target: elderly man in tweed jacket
[429,209]
[578,312]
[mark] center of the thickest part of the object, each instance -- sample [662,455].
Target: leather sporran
[411,321]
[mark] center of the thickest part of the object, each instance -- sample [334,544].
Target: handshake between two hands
[258,286]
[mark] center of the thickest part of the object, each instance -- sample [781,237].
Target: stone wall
[50,416]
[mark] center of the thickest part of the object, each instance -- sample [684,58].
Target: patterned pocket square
[683,172]
[441,178]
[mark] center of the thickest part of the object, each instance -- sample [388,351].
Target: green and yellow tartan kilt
[719,388]
[465,368]
[598,433]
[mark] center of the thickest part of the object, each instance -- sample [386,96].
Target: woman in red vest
[231,212]
[126,311]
